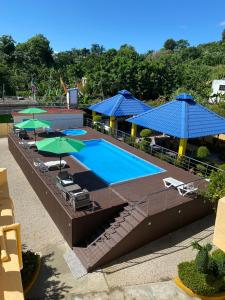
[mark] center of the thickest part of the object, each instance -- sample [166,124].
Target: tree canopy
[150,76]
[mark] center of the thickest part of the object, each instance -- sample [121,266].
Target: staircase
[120,227]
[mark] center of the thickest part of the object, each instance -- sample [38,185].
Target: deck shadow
[50,135]
[158,248]
[89,180]
[48,286]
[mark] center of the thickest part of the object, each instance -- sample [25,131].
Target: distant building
[72,98]
[218,89]
[60,118]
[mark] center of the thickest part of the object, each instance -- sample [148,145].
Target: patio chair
[187,189]
[23,134]
[46,166]
[80,199]
[65,178]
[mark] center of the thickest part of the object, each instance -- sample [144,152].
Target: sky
[144,24]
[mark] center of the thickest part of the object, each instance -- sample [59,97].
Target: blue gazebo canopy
[122,104]
[182,118]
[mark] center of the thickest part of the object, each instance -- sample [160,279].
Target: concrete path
[153,265]
[154,291]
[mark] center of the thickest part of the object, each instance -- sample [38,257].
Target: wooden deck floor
[105,196]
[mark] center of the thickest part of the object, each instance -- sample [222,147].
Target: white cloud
[222,23]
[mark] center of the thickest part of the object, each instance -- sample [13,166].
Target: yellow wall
[219,231]
[5,128]
[221,137]
[10,246]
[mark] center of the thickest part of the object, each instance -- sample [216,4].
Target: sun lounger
[187,189]
[26,144]
[45,166]
[49,130]
[183,188]
[170,181]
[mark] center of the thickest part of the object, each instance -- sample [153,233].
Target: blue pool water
[74,131]
[112,163]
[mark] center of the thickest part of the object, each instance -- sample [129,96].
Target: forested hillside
[154,75]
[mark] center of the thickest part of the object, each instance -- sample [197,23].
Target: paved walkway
[154,264]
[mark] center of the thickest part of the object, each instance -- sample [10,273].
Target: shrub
[129,140]
[201,168]
[6,118]
[222,167]
[198,282]
[97,118]
[204,275]
[202,152]
[216,187]
[145,133]
[144,145]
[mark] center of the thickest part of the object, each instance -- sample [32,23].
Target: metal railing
[49,178]
[187,163]
[154,203]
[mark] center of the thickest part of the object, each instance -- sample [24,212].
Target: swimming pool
[112,163]
[74,131]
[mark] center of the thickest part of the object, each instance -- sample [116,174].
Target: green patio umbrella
[33,124]
[32,110]
[60,146]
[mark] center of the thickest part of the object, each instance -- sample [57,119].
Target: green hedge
[6,118]
[203,283]
[199,283]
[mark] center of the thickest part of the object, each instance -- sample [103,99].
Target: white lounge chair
[170,181]
[183,188]
[49,164]
[50,130]
[187,189]
[26,144]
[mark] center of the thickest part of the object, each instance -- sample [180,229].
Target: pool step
[113,233]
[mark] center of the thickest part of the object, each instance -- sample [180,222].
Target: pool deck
[109,200]
[127,191]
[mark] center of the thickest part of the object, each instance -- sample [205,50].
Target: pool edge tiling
[114,164]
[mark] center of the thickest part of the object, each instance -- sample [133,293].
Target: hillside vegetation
[154,75]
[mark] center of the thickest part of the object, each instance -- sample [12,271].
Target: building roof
[122,104]
[182,118]
[54,111]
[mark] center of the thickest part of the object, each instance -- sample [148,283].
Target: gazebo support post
[182,147]
[134,130]
[112,123]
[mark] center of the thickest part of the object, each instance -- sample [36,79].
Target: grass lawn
[6,118]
